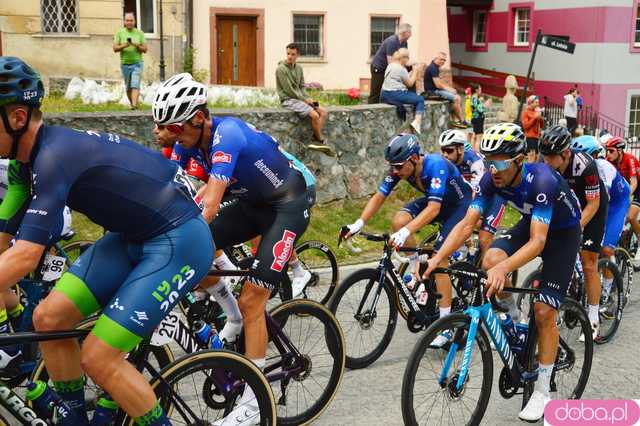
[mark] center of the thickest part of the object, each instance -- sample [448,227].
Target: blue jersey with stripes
[117,183]
[542,195]
[440,180]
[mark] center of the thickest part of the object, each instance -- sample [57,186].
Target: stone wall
[358,133]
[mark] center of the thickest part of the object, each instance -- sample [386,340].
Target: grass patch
[58,103]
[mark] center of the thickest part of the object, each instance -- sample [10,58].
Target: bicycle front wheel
[368,327]
[611,302]
[429,387]
[204,387]
[624,262]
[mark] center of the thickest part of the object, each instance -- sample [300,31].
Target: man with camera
[130,43]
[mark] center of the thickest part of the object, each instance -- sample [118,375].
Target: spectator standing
[532,122]
[478,106]
[294,97]
[130,43]
[397,81]
[434,85]
[382,58]
[571,109]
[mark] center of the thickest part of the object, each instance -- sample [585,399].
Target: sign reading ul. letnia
[558,43]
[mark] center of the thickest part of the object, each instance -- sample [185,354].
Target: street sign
[558,44]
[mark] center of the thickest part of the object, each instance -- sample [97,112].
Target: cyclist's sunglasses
[498,165]
[398,166]
[173,128]
[448,150]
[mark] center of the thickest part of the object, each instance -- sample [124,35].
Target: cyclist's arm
[458,235]
[633,184]
[592,193]
[425,217]
[18,261]
[372,206]
[589,211]
[213,192]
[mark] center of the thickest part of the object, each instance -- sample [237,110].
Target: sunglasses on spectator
[498,165]
[448,150]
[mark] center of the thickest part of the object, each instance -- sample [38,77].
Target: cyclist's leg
[591,244]
[634,210]
[613,230]
[163,269]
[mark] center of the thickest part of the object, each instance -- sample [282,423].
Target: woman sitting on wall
[395,89]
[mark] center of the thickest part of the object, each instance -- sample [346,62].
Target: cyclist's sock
[72,392]
[445,311]
[223,262]
[607,283]
[16,311]
[594,316]
[227,301]
[154,417]
[248,394]
[544,378]
[296,268]
[4,321]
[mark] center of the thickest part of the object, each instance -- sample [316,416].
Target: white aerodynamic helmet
[177,98]
[503,138]
[452,137]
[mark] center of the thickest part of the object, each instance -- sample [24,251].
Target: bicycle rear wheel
[367,328]
[624,262]
[425,399]
[314,333]
[188,390]
[318,259]
[611,304]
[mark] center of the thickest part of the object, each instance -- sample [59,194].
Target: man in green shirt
[130,42]
[290,86]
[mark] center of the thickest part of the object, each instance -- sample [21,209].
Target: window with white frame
[522,24]
[307,34]
[479,27]
[146,16]
[634,116]
[59,16]
[381,28]
[636,40]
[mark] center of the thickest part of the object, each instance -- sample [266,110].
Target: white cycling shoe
[442,339]
[247,414]
[299,283]
[534,410]
[595,328]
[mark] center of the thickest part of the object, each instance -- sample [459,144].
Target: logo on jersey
[541,197]
[529,177]
[436,183]
[116,305]
[282,250]
[591,180]
[220,157]
[269,174]
[216,139]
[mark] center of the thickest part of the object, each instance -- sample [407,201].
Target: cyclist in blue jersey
[156,234]
[619,200]
[469,162]
[581,173]
[550,227]
[271,202]
[446,199]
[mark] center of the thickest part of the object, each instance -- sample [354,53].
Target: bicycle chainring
[505,385]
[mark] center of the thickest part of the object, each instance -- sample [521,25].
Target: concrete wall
[89,52]
[346,34]
[359,135]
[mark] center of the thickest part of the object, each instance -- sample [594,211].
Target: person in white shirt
[571,109]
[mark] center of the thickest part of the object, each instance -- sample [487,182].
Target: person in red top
[532,122]
[629,167]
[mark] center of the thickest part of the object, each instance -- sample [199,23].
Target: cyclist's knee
[545,315]
[607,251]
[99,360]
[55,312]
[493,257]
[590,267]
[400,219]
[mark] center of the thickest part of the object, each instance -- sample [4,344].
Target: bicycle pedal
[529,376]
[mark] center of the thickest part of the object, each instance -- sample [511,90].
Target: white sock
[543,383]
[607,283]
[248,394]
[223,262]
[445,311]
[296,268]
[594,316]
[227,302]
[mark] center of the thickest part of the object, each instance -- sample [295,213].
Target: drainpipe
[162,66]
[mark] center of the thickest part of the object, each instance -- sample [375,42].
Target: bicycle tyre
[411,373]
[68,248]
[616,296]
[305,310]
[578,317]
[624,261]
[356,361]
[322,295]
[208,360]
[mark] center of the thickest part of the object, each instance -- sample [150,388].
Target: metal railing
[590,119]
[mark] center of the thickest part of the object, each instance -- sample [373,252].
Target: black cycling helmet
[555,140]
[19,85]
[503,138]
[401,147]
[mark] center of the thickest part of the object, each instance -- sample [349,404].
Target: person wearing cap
[532,122]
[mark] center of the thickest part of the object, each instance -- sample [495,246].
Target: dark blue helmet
[19,83]
[555,140]
[401,147]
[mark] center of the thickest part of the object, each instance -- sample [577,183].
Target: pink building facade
[500,35]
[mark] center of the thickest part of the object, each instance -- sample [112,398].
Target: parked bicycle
[439,384]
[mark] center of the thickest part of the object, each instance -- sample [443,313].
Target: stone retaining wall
[358,133]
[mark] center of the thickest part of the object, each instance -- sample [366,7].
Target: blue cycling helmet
[401,147]
[587,144]
[19,83]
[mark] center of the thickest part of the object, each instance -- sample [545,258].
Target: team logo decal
[282,250]
[436,183]
[220,157]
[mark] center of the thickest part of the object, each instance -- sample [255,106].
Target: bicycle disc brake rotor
[214,397]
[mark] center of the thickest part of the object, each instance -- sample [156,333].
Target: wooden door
[237,50]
